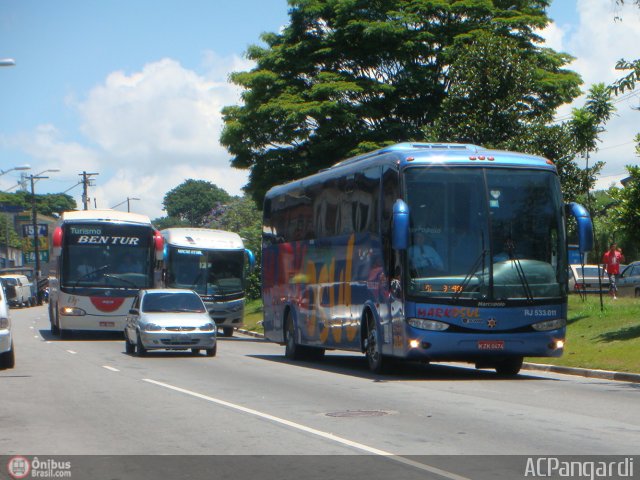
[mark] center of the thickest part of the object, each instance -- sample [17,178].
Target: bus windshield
[208,272]
[107,256]
[490,233]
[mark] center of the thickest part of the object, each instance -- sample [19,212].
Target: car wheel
[227,331]
[509,366]
[637,294]
[128,346]
[195,351]
[140,350]
[7,359]
[211,352]
[373,348]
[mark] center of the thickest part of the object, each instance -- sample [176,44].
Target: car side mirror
[133,311]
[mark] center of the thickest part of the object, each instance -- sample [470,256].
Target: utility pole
[86,182]
[36,247]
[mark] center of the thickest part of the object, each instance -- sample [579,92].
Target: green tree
[626,211]
[51,204]
[6,226]
[347,76]
[168,222]
[240,215]
[193,200]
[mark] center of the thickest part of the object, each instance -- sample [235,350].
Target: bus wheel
[227,331]
[509,366]
[372,347]
[64,333]
[292,350]
[55,329]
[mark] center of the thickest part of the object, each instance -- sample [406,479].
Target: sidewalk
[581,372]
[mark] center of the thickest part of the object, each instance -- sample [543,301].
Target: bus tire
[509,366]
[55,329]
[65,333]
[373,350]
[292,350]
[140,350]
[227,331]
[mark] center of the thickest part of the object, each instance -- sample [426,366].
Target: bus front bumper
[474,346]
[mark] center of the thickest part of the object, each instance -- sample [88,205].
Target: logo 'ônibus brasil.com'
[19,467]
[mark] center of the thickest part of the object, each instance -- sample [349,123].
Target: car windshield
[485,233]
[172,302]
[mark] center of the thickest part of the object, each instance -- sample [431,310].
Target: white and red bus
[102,258]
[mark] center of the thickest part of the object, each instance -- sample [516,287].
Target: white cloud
[150,130]
[598,41]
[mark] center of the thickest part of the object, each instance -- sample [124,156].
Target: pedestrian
[612,259]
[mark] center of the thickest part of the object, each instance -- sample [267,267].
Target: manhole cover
[358,413]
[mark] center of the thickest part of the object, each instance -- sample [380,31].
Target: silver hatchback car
[629,281]
[169,319]
[7,358]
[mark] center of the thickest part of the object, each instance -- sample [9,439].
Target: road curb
[585,372]
[580,372]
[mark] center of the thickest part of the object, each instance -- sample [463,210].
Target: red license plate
[107,324]
[490,344]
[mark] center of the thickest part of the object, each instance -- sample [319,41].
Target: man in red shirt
[612,259]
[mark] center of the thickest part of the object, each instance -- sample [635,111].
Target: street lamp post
[128,202]
[19,167]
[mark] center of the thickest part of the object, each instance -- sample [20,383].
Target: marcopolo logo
[21,467]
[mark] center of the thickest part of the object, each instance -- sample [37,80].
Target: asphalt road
[85,396]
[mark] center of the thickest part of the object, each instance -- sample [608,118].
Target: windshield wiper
[510,247]
[470,273]
[93,272]
[124,280]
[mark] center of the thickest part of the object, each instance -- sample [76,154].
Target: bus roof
[107,215]
[416,153]
[205,238]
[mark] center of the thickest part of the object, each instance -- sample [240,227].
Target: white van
[18,289]
[7,359]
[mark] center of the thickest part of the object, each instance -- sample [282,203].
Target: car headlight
[4,323]
[550,325]
[72,311]
[424,324]
[152,327]
[208,327]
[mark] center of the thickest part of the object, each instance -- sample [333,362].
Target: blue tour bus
[342,265]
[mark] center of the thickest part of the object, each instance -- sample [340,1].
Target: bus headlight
[208,327]
[4,323]
[424,324]
[72,311]
[550,325]
[152,327]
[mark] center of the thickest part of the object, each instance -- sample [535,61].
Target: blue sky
[133,89]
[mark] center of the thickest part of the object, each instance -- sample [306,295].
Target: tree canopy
[51,204]
[193,201]
[348,76]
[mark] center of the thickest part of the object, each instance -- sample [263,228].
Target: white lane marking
[313,431]
[30,328]
[110,368]
[72,352]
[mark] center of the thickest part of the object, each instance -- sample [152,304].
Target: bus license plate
[490,344]
[108,324]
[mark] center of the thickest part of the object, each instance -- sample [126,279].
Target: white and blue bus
[101,259]
[214,264]
[341,249]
